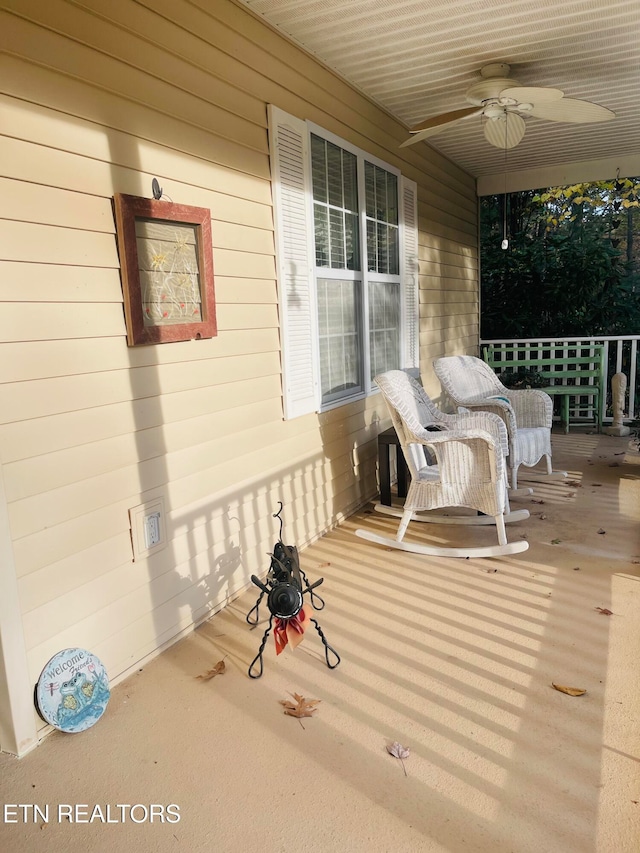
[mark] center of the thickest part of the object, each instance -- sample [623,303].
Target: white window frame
[293,194]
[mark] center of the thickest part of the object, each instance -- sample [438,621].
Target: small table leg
[385,474]
[403,472]
[385,440]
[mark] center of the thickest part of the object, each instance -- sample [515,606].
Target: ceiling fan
[503,102]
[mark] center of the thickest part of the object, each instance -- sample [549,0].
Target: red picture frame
[166,264]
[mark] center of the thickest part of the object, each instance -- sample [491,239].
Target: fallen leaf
[322,565]
[576,568]
[398,751]
[621,453]
[604,611]
[542,516]
[601,531]
[570,495]
[570,691]
[301,708]
[534,501]
[596,484]
[556,541]
[635,560]
[575,484]
[218,669]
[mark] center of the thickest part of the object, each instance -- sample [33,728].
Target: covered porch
[454,659]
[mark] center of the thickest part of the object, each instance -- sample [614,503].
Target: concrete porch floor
[452,658]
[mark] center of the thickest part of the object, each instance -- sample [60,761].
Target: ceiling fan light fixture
[505,133]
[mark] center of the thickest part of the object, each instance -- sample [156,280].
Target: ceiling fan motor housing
[489,88]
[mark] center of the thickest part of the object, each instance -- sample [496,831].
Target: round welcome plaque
[73,690]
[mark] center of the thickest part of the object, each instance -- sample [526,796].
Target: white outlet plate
[148,528]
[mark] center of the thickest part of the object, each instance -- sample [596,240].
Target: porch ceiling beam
[561,175]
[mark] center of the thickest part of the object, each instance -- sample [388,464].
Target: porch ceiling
[416,59]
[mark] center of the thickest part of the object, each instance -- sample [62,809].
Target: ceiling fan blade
[505,133]
[445,118]
[437,124]
[531,94]
[572,110]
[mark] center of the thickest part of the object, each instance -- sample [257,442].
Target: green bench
[572,370]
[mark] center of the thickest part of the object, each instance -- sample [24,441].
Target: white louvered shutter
[292,194]
[409,270]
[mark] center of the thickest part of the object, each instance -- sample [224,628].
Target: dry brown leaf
[219,669]
[604,611]
[398,751]
[570,691]
[556,541]
[535,501]
[596,484]
[301,708]
[575,484]
[601,531]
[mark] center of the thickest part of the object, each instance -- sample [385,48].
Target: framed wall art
[166,263]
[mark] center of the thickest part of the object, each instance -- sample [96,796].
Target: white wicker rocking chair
[527,414]
[469,451]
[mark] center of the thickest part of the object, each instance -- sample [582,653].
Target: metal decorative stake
[285,586]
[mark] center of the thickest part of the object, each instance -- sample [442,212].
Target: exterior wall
[99,98]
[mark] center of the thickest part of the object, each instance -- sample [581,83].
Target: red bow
[290,630]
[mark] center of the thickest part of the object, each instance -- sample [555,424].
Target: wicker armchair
[469,470]
[471,383]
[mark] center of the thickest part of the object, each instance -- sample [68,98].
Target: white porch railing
[621,356]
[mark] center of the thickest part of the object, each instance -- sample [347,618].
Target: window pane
[381,194]
[352,241]
[393,239]
[383,255]
[336,239]
[340,341]
[334,174]
[392,198]
[335,195]
[319,168]
[372,246]
[381,190]
[321,226]
[350,175]
[370,189]
[384,327]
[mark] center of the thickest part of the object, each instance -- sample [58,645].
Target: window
[346,228]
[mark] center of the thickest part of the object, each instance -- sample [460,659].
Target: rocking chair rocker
[469,471]
[527,414]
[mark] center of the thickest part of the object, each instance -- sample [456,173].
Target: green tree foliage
[573,262]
